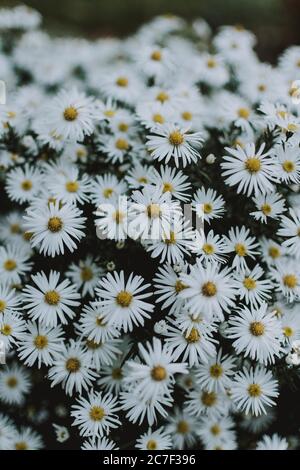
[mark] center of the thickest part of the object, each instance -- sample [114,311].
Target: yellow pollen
[292,127]
[158,373]
[244,113]
[27,236]
[187,116]
[207,208]
[124,298]
[153,211]
[73,364]
[156,55]
[288,166]
[298,63]
[262,87]
[158,118]
[11,114]
[26,185]
[179,286]
[122,144]
[81,153]
[97,413]
[249,283]
[266,209]
[40,341]
[209,289]
[257,328]
[70,113]
[288,331]
[109,113]
[253,164]
[215,430]
[171,240]
[240,249]
[216,371]
[208,398]
[274,252]
[183,427]
[117,373]
[254,390]
[167,187]
[162,96]
[176,138]
[143,179]
[211,63]
[15,228]
[52,297]
[123,127]
[91,344]
[108,192]
[86,274]
[12,382]
[6,330]
[55,224]
[122,82]
[2,305]
[151,445]
[72,186]
[100,322]
[208,249]
[22,445]
[118,216]
[282,114]
[10,265]
[290,281]
[193,337]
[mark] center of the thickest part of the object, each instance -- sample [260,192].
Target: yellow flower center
[179,286]
[216,371]
[97,413]
[266,209]
[244,113]
[40,341]
[70,114]
[187,116]
[253,164]
[193,337]
[124,298]
[209,289]
[183,427]
[208,249]
[176,138]
[249,283]
[12,382]
[274,252]
[288,331]
[52,297]
[122,144]
[27,236]
[208,398]
[55,224]
[151,445]
[171,240]
[240,249]
[86,274]
[26,185]
[15,228]
[108,192]
[109,113]
[6,330]
[215,430]
[2,305]
[288,166]
[117,373]
[254,390]
[72,186]
[167,187]
[123,127]
[211,63]
[257,328]
[22,445]
[158,118]
[122,82]
[153,211]
[207,208]
[10,265]
[262,87]
[162,96]
[118,217]
[73,364]
[91,344]
[158,373]
[290,281]
[156,55]
[99,321]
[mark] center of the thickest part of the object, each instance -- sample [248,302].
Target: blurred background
[275,22]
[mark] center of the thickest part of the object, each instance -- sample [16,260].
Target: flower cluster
[111,292]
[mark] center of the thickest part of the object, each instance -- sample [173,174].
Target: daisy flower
[171,181]
[71,368]
[112,375]
[290,229]
[96,414]
[120,84]
[116,147]
[251,288]
[54,227]
[50,302]
[138,176]
[151,114]
[201,401]
[113,219]
[40,344]
[273,442]
[216,433]
[85,275]
[257,333]
[271,251]
[14,384]
[101,443]
[9,300]
[71,115]
[209,248]
[153,376]
[92,325]
[139,409]
[290,323]
[182,427]
[208,204]
[252,391]
[70,187]
[101,353]
[253,171]
[208,290]
[242,245]
[289,163]
[216,374]
[122,302]
[12,327]
[286,277]
[168,286]
[27,439]
[13,264]
[174,142]
[106,188]
[7,433]
[154,440]
[268,205]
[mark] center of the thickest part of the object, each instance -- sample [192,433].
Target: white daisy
[113,219]
[268,205]
[85,275]
[93,326]
[201,401]
[23,184]
[216,433]
[14,384]
[70,187]
[172,181]
[182,426]
[168,286]
[13,264]
[208,204]
[106,188]
[273,442]
[154,440]
[12,326]
[101,443]
[286,277]
[216,374]
[251,288]
[242,245]
[210,247]
[7,433]
[139,409]
[27,439]
[290,230]
[9,300]
[289,163]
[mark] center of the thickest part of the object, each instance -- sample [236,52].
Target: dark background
[275,22]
